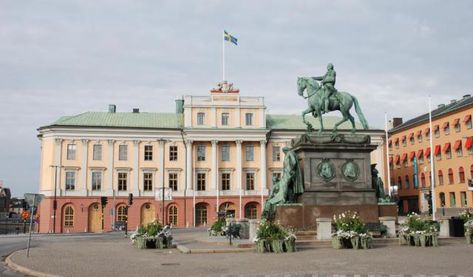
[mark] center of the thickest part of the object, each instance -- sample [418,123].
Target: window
[453,200]
[200,118]
[404,141]
[148,152]
[122,213]
[450,176]
[225,117]
[97,155]
[415,181]
[448,151]
[250,181]
[70,180]
[249,119]
[419,137]
[411,139]
[71,152]
[471,171]
[396,143]
[399,182]
[172,153]
[122,152]
[422,180]
[225,181]
[461,175]
[96,180]
[249,153]
[172,215]
[225,152]
[251,211]
[440,178]
[463,200]
[173,181]
[467,121]
[457,125]
[446,129]
[122,180]
[437,131]
[200,152]
[276,153]
[407,181]
[200,181]
[147,181]
[200,214]
[442,199]
[68,217]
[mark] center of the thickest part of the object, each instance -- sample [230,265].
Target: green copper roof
[125,120]
[175,121]
[294,122]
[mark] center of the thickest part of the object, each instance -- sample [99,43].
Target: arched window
[172,215]
[461,175]
[121,213]
[450,176]
[422,180]
[399,182]
[251,210]
[440,178]
[407,181]
[68,216]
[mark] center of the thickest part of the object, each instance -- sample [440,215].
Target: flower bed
[350,232]
[153,235]
[217,228]
[272,237]
[418,231]
[469,231]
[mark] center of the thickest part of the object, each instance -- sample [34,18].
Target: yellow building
[410,152]
[216,153]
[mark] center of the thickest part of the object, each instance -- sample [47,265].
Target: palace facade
[218,152]
[452,152]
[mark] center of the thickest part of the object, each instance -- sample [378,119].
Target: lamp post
[55,196]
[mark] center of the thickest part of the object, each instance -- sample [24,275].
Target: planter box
[358,242]
[140,243]
[469,237]
[276,246]
[419,240]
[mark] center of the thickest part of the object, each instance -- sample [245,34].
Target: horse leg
[319,113]
[309,126]
[345,118]
[352,120]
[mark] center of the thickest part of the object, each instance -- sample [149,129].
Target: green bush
[153,228]
[268,230]
[349,221]
[218,225]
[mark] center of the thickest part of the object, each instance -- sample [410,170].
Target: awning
[427,152]
[456,122]
[404,157]
[419,133]
[419,153]
[468,143]
[411,135]
[458,144]
[467,118]
[438,148]
[412,155]
[397,159]
[446,147]
[390,160]
[445,125]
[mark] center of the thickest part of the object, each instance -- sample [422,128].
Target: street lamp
[55,196]
[163,141]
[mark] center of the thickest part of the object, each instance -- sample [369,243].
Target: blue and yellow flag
[230,38]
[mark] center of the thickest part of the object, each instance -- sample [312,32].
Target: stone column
[215,170]
[238,174]
[110,187]
[136,168]
[83,171]
[263,169]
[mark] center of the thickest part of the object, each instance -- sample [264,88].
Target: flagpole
[387,153]
[432,173]
[223,59]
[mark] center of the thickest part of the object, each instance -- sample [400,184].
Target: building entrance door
[148,213]
[95,218]
[201,215]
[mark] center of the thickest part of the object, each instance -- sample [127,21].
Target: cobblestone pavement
[115,256]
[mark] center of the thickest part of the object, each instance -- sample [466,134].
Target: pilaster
[215,170]
[110,186]
[238,173]
[263,169]
[136,163]
[83,189]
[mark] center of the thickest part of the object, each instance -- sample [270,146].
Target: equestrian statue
[324,98]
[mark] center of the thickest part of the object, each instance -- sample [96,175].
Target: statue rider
[328,83]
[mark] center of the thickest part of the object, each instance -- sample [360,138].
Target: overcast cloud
[67,57]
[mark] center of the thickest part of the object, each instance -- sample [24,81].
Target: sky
[67,57]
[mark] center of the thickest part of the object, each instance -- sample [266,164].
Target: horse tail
[360,113]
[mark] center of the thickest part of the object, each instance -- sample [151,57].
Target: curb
[186,250]
[25,270]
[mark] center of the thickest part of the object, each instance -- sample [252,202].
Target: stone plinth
[388,209]
[244,228]
[253,226]
[324,228]
[390,223]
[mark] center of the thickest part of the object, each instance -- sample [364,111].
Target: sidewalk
[112,256]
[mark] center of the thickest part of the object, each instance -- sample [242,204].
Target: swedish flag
[230,38]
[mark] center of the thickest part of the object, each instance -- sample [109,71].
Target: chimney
[466,96]
[179,105]
[136,110]
[112,108]
[397,121]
